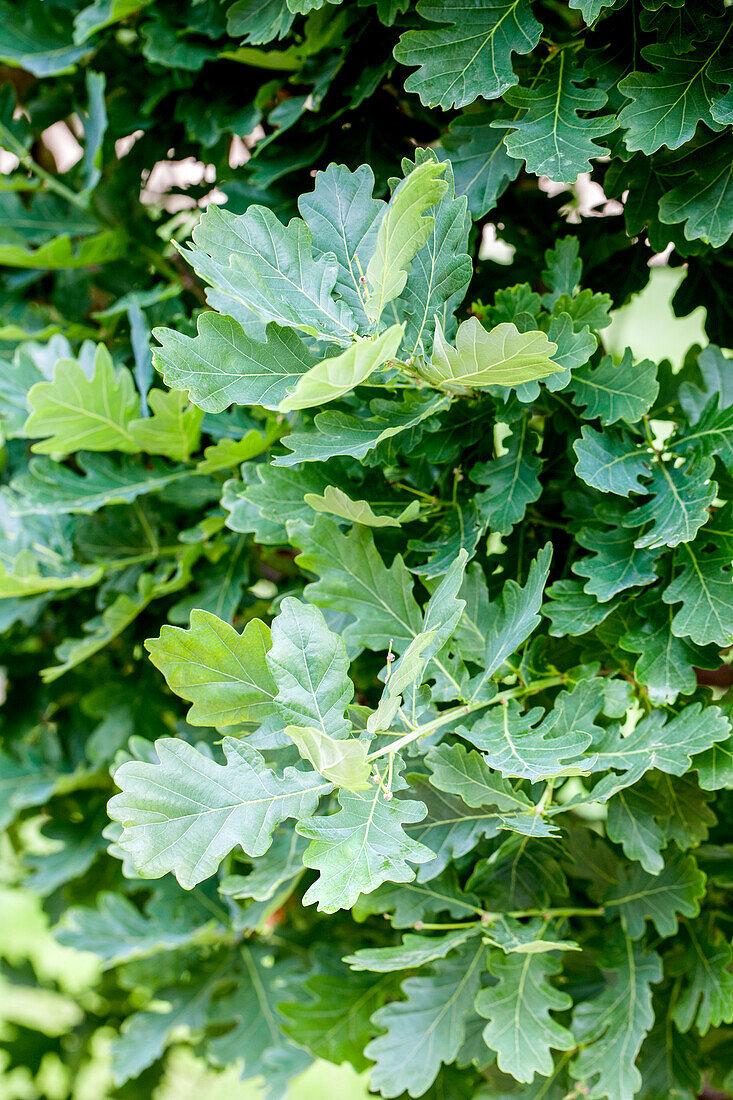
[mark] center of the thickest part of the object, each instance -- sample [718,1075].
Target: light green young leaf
[403,230]
[174,428]
[442,268]
[338,503]
[334,377]
[503,356]
[222,365]
[444,609]
[59,254]
[227,454]
[442,614]
[224,674]
[23,577]
[409,670]
[341,762]
[81,413]
[520,1028]
[185,813]
[427,1029]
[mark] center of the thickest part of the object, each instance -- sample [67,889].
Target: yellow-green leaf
[338,503]
[502,356]
[336,376]
[342,762]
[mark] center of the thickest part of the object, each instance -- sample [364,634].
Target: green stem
[159,263]
[546,798]
[421,927]
[149,555]
[491,918]
[418,492]
[460,712]
[14,146]
[517,913]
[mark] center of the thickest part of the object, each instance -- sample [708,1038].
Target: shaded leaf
[616,391]
[520,1028]
[471,56]
[428,1028]
[615,1022]
[551,136]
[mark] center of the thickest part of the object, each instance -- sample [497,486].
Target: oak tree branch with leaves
[366,609]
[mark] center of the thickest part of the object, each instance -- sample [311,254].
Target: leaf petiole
[461,711]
